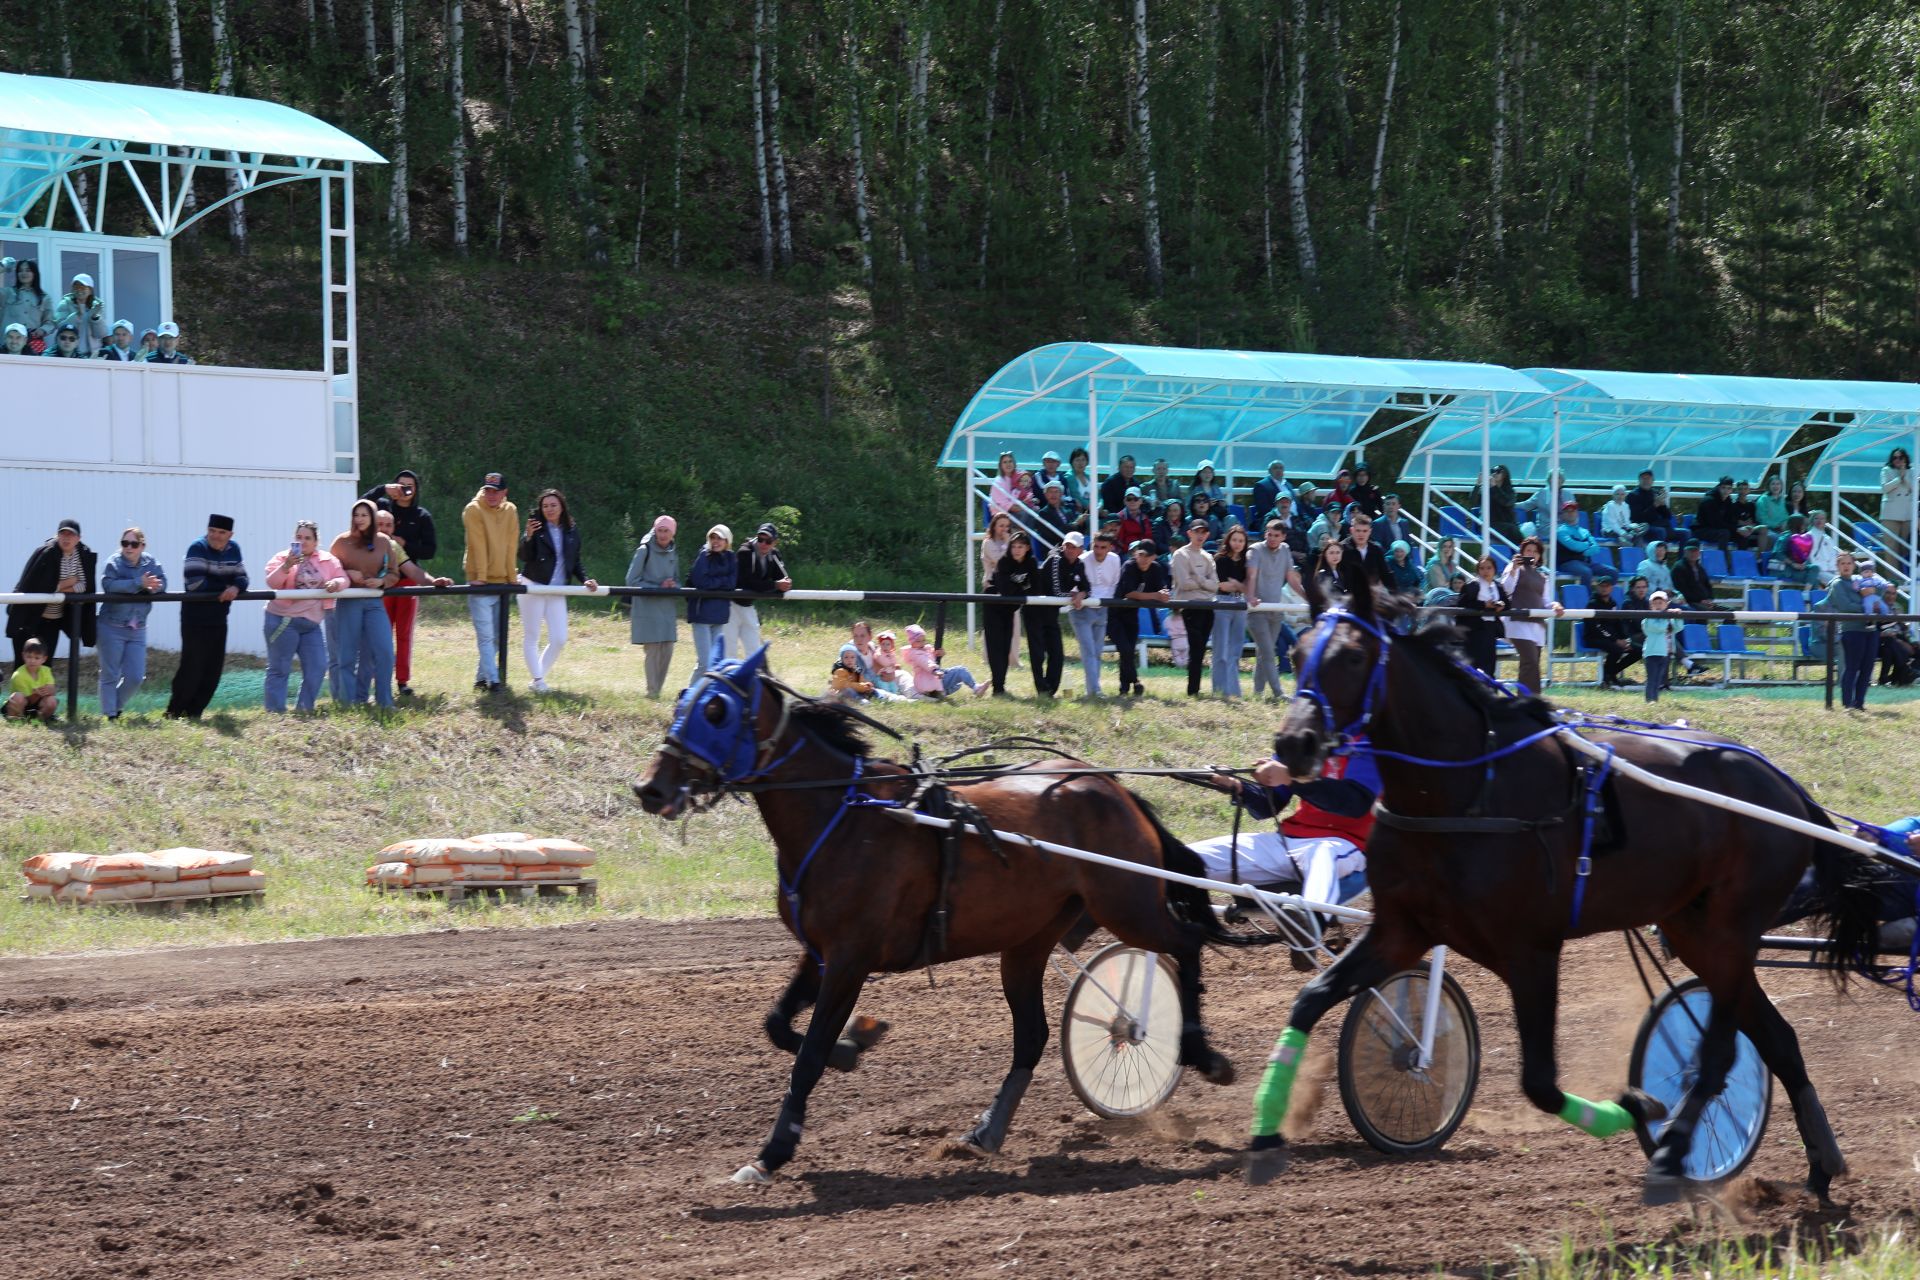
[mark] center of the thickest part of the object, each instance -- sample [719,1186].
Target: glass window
[136,288]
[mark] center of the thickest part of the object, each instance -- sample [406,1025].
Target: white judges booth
[93,178]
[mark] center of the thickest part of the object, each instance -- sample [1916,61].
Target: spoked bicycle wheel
[1666,1063]
[1399,1106]
[1120,1032]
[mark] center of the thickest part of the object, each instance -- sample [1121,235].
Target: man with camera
[413,530]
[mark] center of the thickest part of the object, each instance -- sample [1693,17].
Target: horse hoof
[966,1148]
[865,1032]
[753,1175]
[1662,1187]
[1265,1165]
[1219,1071]
[1646,1109]
[844,1056]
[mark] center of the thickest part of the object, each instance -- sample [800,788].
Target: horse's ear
[1310,588]
[755,664]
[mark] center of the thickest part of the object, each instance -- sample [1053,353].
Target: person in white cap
[81,308]
[16,341]
[169,352]
[120,348]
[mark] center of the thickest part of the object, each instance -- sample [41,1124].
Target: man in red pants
[413,529]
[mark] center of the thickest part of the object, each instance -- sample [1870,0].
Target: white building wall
[172,507]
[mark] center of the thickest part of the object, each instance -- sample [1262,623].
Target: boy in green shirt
[31,691]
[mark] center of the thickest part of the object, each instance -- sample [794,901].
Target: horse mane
[1437,643]
[830,724]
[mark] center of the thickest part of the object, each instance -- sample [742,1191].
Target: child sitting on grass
[885,661]
[930,679]
[31,691]
[846,682]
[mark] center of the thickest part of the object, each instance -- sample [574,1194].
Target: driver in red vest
[1320,845]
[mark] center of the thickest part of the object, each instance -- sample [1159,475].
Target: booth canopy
[1192,406]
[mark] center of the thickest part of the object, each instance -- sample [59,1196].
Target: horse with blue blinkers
[1494,838]
[864,894]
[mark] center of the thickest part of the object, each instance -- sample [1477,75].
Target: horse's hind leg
[839,989]
[1779,1048]
[1022,975]
[1533,980]
[1195,1050]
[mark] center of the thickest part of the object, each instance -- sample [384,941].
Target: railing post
[1833,640]
[500,637]
[72,619]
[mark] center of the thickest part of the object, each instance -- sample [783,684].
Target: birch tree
[399,204]
[1679,129]
[577,119]
[1143,131]
[370,39]
[922,58]
[177,64]
[986,157]
[1626,135]
[1386,117]
[776,157]
[1497,163]
[680,124]
[223,83]
[760,138]
[1297,150]
[457,92]
[862,222]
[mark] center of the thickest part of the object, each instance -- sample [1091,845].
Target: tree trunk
[783,213]
[1626,135]
[66,40]
[592,17]
[1270,61]
[326,14]
[1679,130]
[400,206]
[1497,167]
[1337,58]
[1297,150]
[178,66]
[986,159]
[313,27]
[760,138]
[1143,128]
[923,57]
[577,126]
[680,123]
[224,83]
[370,38]
[457,90]
[1386,117]
[860,218]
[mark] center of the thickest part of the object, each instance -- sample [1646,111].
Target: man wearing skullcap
[214,567]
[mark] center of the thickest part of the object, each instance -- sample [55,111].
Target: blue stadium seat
[1631,559]
[1239,512]
[1580,644]
[1715,558]
[1694,638]
[1867,534]
[1574,595]
[1760,599]
[1743,564]
[1732,647]
[1602,557]
[1458,523]
[1792,600]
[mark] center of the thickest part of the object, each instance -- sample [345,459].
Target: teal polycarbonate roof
[1190,406]
[1690,428]
[80,110]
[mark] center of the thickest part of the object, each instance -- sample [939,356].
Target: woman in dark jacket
[716,568]
[1483,601]
[1017,576]
[1500,504]
[62,563]
[1365,492]
[549,557]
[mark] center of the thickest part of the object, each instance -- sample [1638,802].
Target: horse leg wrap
[991,1133]
[1823,1149]
[785,1138]
[1601,1119]
[1276,1085]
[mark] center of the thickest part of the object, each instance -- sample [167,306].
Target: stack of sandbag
[495,856]
[133,877]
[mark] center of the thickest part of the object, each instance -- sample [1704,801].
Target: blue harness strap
[1583,865]
[851,798]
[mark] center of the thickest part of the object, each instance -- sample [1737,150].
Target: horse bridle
[746,759]
[1308,688]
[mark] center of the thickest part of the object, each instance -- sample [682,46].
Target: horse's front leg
[839,989]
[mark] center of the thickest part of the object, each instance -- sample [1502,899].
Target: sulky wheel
[1120,1032]
[1665,1063]
[1399,1106]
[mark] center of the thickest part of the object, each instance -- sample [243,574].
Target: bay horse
[1492,838]
[864,893]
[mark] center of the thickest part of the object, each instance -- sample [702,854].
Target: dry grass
[315,798]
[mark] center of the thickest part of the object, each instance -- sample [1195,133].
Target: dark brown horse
[1485,860]
[860,890]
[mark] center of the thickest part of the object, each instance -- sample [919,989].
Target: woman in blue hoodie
[716,568]
[123,627]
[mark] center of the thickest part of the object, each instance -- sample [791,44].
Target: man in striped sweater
[214,566]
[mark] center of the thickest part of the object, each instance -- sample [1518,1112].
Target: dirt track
[568,1102]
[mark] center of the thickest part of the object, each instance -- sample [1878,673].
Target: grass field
[315,798]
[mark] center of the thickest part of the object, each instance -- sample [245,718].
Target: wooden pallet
[522,891]
[170,906]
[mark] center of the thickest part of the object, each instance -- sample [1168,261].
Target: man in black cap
[413,529]
[63,563]
[763,573]
[1146,583]
[213,567]
[1617,639]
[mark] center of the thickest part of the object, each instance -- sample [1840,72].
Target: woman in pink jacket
[294,626]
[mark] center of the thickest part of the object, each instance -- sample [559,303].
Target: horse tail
[1845,906]
[1190,902]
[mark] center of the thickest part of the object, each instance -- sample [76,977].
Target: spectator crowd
[35,320]
[1138,551]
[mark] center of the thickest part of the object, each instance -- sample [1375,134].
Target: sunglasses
[764,541]
[125,543]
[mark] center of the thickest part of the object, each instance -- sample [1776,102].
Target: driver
[1897,892]
[1318,846]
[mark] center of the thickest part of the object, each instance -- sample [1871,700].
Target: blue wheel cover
[1731,1126]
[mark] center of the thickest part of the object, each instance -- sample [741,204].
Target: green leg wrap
[1601,1119]
[1276,1086]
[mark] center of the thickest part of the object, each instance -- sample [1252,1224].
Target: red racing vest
[1308,821]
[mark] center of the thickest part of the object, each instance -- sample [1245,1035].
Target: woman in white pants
[549,557]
